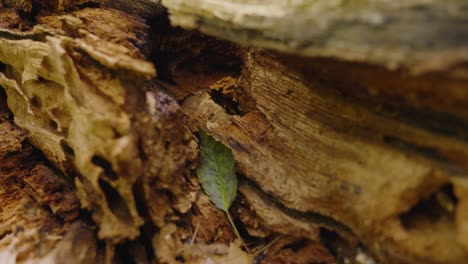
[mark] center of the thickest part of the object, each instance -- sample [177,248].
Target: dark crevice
[337,246]
[159,26]
[53,125]
[36,102]
[427,152]
[5,113]
[148,230]
[9,232]
[441,123]
[138,194]
[141,149]
[312,217]
[123,256]
[180,258]
[297,245]
[227,102]
[188,58]
[106,166]
[87,217]
[248,239]
[18,230]
[211,60]
[88,5]
[116,203]
[440,205]
[67,149]
[134,251]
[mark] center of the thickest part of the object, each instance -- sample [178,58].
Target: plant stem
[237,233]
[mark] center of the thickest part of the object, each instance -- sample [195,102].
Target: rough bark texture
[412,37]
[419,35]
[39,208]
[351,145]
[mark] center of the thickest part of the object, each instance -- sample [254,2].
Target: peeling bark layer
[415,37]
[313,136]
[58,82]
[391,33]
[39,208]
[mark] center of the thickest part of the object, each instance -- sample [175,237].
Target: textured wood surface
[350,139]
[337,143]
[419,35]
[336,163]
[39,208]
[422,38]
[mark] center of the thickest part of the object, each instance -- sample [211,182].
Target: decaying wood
[332,159]
[364,145]
[39,208]
[79,85]
[391,33]
[144,8]
[416,37]
[47,92]
[351,146]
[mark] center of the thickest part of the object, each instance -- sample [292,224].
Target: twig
[267,246]
[194,236]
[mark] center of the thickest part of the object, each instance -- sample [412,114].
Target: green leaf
[217,175]
[217,172]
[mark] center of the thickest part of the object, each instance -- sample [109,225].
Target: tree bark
[347,122]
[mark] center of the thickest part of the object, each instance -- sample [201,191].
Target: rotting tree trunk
[349,140]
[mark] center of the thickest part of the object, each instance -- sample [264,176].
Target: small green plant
[217,175]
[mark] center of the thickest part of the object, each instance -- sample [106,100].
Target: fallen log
[349,137]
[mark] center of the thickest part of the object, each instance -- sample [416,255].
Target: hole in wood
[227,102]
[5,113]
[438,207]
[337,245]
[36,102]
[53,125]
[67,149]
[106,167]
[116,203]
